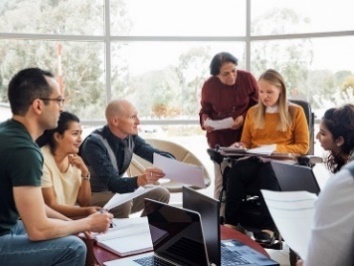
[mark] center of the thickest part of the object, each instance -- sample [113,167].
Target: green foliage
[169,92]
[81,61]
[348,83]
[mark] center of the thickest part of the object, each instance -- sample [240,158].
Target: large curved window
[157,53]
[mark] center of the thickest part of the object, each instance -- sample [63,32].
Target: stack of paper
[129,236]
[293,214]
[265,151]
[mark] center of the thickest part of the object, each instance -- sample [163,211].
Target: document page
[180,172]
[219,124]
[266,149]
[119,199]
[129,236]
[293,214]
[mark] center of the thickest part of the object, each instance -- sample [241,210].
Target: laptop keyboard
[153,261]
[229,258]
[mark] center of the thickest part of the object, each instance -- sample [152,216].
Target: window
[52,17]
[157,52]
[165,77]
[178,18]
[273,17]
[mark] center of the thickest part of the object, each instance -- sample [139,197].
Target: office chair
[310,117]
[251,214]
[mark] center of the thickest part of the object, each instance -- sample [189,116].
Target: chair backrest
[310,116]
[181,154]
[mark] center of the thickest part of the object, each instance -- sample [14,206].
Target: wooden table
[102,255]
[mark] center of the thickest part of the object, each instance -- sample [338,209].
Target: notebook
[177,238]
[293,177]
[225,252]
[129,236]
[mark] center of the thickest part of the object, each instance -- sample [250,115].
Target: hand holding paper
[179,171]
[219,124]
[119,199]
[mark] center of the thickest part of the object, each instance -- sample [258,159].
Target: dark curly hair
[63,124]
[340,122]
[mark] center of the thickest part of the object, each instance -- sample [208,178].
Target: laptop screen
[209,210]
[295,177]
[176,233]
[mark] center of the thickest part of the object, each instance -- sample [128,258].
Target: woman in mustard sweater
[273,121]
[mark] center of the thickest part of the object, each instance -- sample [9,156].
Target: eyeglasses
[59,100]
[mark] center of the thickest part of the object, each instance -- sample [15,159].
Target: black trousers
[247,177]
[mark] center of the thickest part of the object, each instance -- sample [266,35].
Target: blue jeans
[17,249]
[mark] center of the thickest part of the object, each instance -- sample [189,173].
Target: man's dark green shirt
[21,164]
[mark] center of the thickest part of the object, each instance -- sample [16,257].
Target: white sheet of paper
[130,236]
[293,214]
[265,149]
[125,227]
[180,172]
[219,124]
[119,199]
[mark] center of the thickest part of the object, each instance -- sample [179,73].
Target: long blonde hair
[274,78]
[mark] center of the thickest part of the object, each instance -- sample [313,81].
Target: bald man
[108,152]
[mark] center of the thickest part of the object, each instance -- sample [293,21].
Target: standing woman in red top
[228,93]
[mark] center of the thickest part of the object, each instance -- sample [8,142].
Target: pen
[112,223]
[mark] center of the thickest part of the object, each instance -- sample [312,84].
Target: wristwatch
[86,177]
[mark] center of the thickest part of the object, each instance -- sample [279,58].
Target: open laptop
[293,177]
[177,238]
[225,252]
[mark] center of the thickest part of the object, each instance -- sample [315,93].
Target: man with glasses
[108,151]
[59,100]
[30,232]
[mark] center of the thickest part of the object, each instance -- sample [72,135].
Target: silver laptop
[293,177]
[225,252]
[177,238]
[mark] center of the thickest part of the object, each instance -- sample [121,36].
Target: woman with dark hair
[228,93]
[66,179]
[331,241]
[336,136]
[273,121]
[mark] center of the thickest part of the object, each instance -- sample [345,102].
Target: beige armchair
[138,165]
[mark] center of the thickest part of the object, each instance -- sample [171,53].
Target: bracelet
[86,177]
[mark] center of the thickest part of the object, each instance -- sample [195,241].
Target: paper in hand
[119,199]
[180,172]
[219,124]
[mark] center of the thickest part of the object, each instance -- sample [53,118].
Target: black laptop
[177,238]
[292,177]
[225,252]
